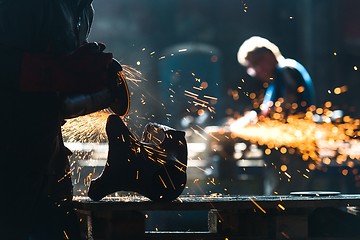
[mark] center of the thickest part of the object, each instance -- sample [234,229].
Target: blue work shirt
[293,84]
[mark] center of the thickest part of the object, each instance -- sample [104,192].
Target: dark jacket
[35,168]
[54,27]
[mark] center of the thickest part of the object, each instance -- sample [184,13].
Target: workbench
[229,217]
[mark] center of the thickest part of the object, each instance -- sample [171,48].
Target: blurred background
[189,78]
[323,35]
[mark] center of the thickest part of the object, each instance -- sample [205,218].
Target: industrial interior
[180,64]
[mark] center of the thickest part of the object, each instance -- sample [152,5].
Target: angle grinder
[116,97]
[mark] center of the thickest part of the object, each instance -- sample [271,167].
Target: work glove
[110,88]
[86,70]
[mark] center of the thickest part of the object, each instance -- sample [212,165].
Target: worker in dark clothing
[287,79]
[44,55]
[45,59]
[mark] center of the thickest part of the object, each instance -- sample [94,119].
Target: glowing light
[88,128]
[204,85]
[210,97]
[283,150]
[337,90]
[328,104]
[252,95]
[309,138]
[162,181]
[300,89]
[245,7]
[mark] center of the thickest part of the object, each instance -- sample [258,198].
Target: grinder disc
[121,104]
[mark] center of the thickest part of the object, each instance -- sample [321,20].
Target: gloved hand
[86,70]
[111,85]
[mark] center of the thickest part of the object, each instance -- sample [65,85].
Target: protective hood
[53,26]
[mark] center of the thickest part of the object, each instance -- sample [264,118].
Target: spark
[213,98]
[162,181]
[182,164]
[285,235]
[197,88]
[190,94]
[65,234]
[201,102]
[307,137]
[180,169]
[212,181]
[67,174]
[169,177]
[198,133]
[88,128]
[257,205]
[281,207]
[288,175]
[132,75]
[209,133]
[245,7]
[195,103]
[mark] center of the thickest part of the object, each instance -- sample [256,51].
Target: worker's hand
[85,70]
[89,66]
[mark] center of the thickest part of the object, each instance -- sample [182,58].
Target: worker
[288,81]
[45,58]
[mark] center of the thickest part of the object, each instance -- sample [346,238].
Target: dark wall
[307,30]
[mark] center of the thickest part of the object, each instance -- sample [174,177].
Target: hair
[257,43]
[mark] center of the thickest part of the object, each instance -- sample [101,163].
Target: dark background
[310,31]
